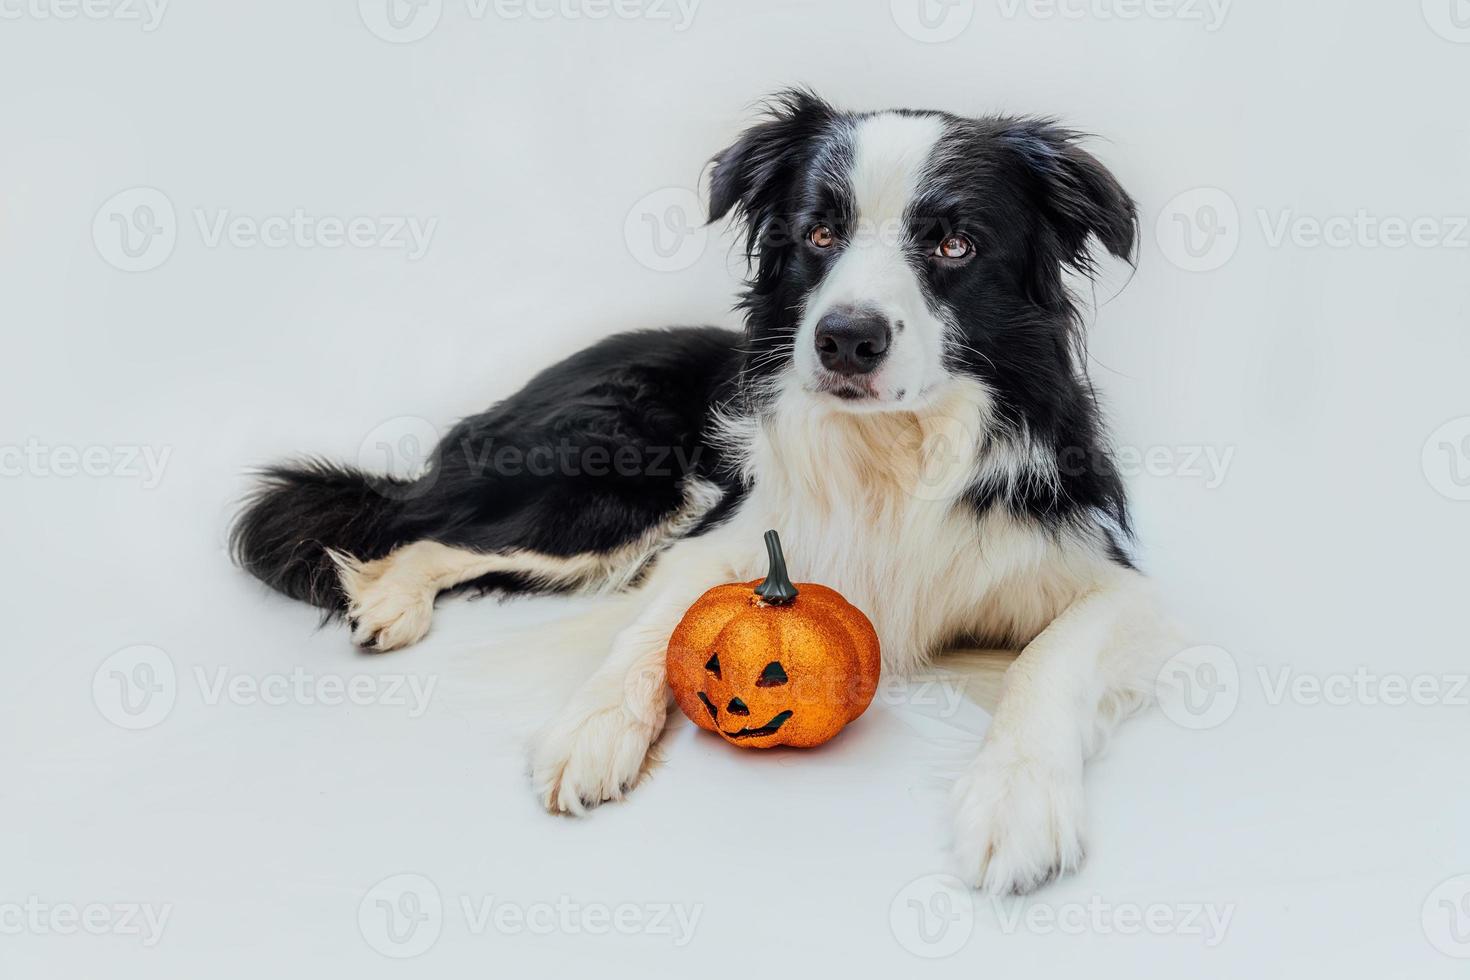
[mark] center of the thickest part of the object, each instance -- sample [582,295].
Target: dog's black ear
[1078,195]
[752,173]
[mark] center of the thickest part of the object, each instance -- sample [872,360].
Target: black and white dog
[906,405]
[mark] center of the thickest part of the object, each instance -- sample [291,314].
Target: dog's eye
[954,247]
[821,236]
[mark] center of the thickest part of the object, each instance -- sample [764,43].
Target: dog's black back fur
[590,454]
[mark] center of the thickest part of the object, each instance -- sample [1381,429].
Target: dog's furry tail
[302,514]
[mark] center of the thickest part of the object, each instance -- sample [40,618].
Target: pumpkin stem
[777,589]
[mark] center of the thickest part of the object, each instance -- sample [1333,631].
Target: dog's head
[894,252]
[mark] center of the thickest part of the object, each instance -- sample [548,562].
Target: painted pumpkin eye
[713,664]
[821,236]
[774,675]
[954,247]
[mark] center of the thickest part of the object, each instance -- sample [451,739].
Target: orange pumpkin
[770,663]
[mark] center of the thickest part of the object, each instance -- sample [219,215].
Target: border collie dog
[907,406]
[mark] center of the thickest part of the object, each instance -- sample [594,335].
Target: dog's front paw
[585,758]
[1018,820]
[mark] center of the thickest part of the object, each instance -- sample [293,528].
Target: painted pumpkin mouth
[769,728]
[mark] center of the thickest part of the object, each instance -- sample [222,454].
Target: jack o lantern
[769,663]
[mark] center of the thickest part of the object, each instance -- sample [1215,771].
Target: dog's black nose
[852,341]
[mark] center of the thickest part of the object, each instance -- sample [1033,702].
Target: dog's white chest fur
[871,505]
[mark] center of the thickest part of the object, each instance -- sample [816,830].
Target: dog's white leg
[390,601]
[594,749]
[1018,818]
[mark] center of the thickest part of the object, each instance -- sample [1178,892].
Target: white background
[1333,539]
